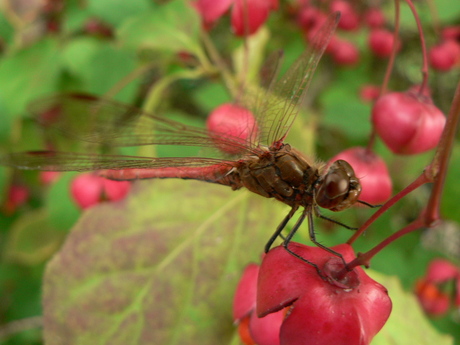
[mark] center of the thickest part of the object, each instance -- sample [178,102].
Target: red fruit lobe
[381,42]
[343,52]
[349,19]
[445,56]
[408,123]
[348,311]
[233,123]
[86,190]
[374,18]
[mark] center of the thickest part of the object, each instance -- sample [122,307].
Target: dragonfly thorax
[283,174]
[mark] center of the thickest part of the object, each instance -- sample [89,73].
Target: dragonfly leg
[291,234]
[369,205]
[280,228]
[311,230]
[319,215]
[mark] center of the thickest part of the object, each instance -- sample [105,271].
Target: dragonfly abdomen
[218,173]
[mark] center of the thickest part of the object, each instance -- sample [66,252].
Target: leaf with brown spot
[157,268]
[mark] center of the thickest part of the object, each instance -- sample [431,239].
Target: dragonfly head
[339,188]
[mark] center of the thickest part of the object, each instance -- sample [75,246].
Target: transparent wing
[95,120]
[70,161]
[277,107]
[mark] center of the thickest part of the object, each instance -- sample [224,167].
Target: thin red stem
[394,50]
[388,71]
[364,259]
[423,44]
[422,179]
[437,170]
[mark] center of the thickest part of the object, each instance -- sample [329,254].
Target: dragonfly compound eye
[340,187]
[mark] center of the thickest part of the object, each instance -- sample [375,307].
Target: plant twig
[17,326]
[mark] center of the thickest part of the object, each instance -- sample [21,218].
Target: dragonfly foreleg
[319,215]
[280,228]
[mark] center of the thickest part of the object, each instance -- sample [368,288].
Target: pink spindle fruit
[247,15]
[445,55]
[374,18]
[381,42]
[343,52]
[433,291]
[252,329]
[327,309]
[349,19]
[88,189]
[233,123]
[407,122]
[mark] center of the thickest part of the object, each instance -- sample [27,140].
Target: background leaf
[157,268]
[407,323]
[20,84]
[171,27]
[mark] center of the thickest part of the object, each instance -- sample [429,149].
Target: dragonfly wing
[71,161]
[87,118]
[278,107]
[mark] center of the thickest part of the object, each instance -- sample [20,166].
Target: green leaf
[344,110]
[6,29]
[407,323]
[100,65]
[249,57]
[63,212]
[157,268]
[116,11]
[171,27]
[452,188]
[3,182]
[25,75]
[31,239]
[211,95]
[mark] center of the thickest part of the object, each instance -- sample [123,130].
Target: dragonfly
[264,165]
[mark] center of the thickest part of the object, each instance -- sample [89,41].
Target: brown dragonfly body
[265,165]
[284,174]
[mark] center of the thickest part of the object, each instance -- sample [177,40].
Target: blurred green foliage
[152,55]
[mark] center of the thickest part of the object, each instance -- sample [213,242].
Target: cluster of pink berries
[285,301]
[343,51]
[439,289]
